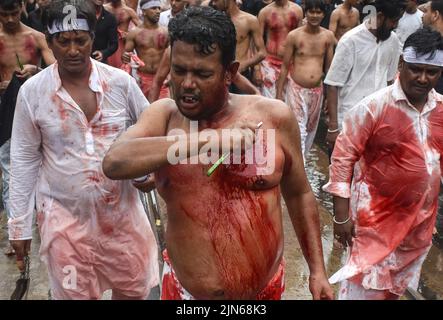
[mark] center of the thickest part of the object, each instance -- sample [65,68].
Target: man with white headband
[150,42]
[94,233]
[385,177]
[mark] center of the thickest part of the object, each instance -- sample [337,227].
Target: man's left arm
[302,206]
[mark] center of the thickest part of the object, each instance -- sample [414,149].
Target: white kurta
[361,66]
[86,220]
[391,153]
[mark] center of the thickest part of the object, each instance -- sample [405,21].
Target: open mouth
[189,101]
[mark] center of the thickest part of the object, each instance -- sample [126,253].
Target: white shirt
[361,66]
[165,16]
[408,24]
[56,155]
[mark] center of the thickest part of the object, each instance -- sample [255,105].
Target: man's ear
[401,63]
[435,15]
[231,72]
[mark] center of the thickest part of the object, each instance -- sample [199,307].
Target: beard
[383,33]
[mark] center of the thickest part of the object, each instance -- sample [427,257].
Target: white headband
[151,4]
[410,56]
[72,25]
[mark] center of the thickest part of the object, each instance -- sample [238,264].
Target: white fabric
[50,158]
[432,59]
[361,66]
[86,221]
[165,16]
[151,4]
[408,24]
[74,24]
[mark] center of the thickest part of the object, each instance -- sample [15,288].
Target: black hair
[392,9]
[425,41]
[10,4]
[315,4]
[437,5]
[207,28]
[54,13]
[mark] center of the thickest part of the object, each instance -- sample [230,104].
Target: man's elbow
[111,166]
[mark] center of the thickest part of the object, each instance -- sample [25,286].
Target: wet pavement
[297,272]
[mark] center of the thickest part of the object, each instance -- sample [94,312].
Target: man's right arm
[25,164]
[333,22]
[129,46]
[160,76]
[336,78]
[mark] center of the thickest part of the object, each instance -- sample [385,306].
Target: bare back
[227,242]
[150,45]
[343,20]
[25,44]
[277,22]
[310,52]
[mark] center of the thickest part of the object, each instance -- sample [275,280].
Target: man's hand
[241,135]
[344,233]
[320,288]
[126,57]
[28,71]
[97,55]
[3,86]
[145,185]
[257,77]
[22,248]
[330,138]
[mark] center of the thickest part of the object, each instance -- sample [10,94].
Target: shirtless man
[276,21]
[309,50]
[29,45]
[344,18]
[248,31]
[224,237]
[149,41]
[125,15]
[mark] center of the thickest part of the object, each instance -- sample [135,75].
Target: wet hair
[425,41]
[54,13]
[315,4]
[437,5]
[208,29]
[391,9]
[10,4]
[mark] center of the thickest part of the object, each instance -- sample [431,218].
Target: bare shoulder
[161,109]
[355,11]
[328,34]
[295,7]
[275,111]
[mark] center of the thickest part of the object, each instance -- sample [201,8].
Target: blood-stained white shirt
[56,167]
[361,66]
[388,161]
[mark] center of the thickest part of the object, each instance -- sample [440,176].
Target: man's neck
[232,10]
[347,6]
[116,4]
[149,24]
[75,78]
[438,26]
[411,10]
[14,31]
[281,3]
[312,29]
[98,11]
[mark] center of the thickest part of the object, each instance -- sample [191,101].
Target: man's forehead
[72,34]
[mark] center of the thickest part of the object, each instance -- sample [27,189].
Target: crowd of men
[98,101]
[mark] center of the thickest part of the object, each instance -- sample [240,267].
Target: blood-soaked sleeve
[358,127]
